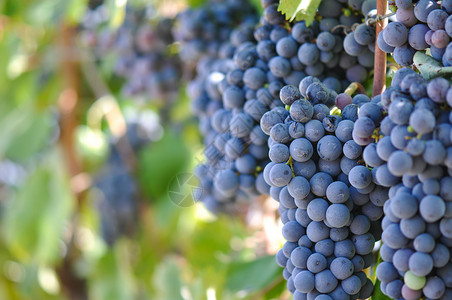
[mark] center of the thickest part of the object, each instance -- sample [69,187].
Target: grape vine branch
[74,287]
[380,56]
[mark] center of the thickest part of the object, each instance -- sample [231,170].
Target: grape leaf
[159,162]
[196,3]
[117,11]
[111,277]
[167,280]
[257,5]
[35,217]
[25,132]
[253,275]
[378,294]
[277,290]
[299,10]
[429,67]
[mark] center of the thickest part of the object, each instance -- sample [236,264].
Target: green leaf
[196,3]
[167,280]
[254,275]
[378,294]
[257,5]
[92,146]
[25,132]
[276,291]
[112,278]
[197,289]
[160,162]
[34,219]
[75,10]
[208,240]
[117,11]
[48,12]
[45,12]
[429,67]
[299,10]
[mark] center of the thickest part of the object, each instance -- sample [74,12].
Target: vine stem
[380,56]
[67,103]
[379,18]
[73,286]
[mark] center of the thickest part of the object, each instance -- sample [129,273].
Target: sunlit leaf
[209,241]
[118,11]
[196,3]
[92,146]
[299,10]
[75,10]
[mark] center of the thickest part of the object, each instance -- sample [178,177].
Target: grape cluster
[116,189]
[141,46]
[229,176]
[331,218]
[360,40]
[233,92]
[410,150]
[205,31]
[325,50]
[118,200]
[420,25]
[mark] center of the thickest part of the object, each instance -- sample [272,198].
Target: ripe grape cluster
[360,39]
[420,25]
[116,189]
[324,48]
[412,155]
[330,213]
[233,91]
[229,175]
[141,47]
[204,32]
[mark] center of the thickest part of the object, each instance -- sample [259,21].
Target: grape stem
[370,21]
[344,27]
[379,18]
[355,87]
[380,56]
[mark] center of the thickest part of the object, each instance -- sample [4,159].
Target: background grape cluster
[116,189]
[141,49]
[248,85]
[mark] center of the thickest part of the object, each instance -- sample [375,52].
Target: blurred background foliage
[52,146]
